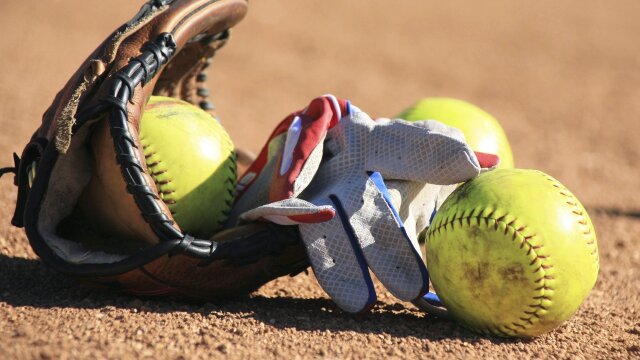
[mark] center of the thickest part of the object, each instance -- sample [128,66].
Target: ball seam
[155,170]
[539,264]
[232,170]
[586,227]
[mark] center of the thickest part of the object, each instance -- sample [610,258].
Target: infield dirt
[562,77]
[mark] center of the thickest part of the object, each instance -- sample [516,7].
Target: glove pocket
[92,210]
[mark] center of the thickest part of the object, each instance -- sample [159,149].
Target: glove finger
[338,264]
[290,212]
[438,127]
[290,158]
[423,151]
[487,161]
[302,151]
[389,251]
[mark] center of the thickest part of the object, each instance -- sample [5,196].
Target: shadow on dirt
[615,212]
[30,283]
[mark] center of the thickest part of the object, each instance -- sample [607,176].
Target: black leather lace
[141,70]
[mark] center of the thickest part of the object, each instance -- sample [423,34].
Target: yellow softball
[512,253]
[481,130]
[192,161]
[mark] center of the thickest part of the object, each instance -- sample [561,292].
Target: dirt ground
[563,77]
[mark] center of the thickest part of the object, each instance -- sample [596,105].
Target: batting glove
[327,173]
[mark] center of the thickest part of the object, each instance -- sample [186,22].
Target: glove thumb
[291,211]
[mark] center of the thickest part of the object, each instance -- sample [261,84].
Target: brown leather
[196,26]
[110,208]
[105,195]
[211,17]
[182,275]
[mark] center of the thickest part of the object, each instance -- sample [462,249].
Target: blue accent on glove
[432,299]
[356,249]
[377,180]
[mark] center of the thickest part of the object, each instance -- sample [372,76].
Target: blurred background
[563,81]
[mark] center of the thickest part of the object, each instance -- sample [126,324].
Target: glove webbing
[141,70]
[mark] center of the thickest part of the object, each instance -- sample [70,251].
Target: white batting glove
[357,156]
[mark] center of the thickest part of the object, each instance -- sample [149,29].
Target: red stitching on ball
[531,248]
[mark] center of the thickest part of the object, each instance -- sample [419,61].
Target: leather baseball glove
[93,123]
[317,194]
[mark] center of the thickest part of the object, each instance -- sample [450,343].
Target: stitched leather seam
[155,169]
[585,228]
[230,184]
[139,71]
[539,264]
